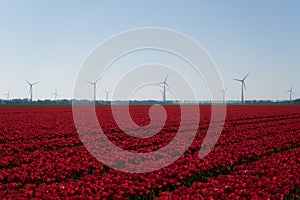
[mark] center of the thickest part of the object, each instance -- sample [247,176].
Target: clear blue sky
[47,41]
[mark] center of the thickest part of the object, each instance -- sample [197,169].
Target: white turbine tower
[291,93]
[31,88]
[224,94]
[165,86]
[243,85]
[95,87]
[7,96]
[55,95]
[106,92]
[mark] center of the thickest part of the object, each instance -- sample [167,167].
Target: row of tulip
[125,139]
[272,177]
[74,141]
[31,145]
[31,123]
[107,184]
[63,172]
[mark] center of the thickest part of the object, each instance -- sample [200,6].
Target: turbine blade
[169,88]
[97,80]
[28,82]
[167,85]
[245,85]
[159,83]
[237,80]
[35,83]
[90,82]
[166,78]
[246,76]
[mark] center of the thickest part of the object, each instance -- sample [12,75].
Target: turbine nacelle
[93,83]
[291,91]
[224,90]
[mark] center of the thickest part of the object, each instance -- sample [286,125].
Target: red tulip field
[256,157]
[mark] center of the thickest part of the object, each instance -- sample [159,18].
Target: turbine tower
[55,95]
[106,92]
[95,87]
[31,88]
[224,94]
[243,85]
[7,95]
[291,93]
[165,85]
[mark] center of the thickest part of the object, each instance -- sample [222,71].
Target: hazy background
[47,41]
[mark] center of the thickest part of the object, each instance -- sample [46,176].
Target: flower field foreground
[256,157]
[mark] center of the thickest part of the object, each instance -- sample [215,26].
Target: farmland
[256,156]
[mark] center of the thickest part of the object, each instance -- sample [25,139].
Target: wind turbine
[243,85]
[7,96]
[224,94]
[95,87]
[106,92]
[31,88]
[291,93]
[165,88]
[55,95]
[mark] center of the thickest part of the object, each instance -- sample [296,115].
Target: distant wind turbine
[224,94]
[165,85]
[291,93]
[95,87]
[31,88]
[106,92]
[243,85]
[55,95]
[7,96]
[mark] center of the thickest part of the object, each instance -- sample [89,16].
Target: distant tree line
[68,102]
